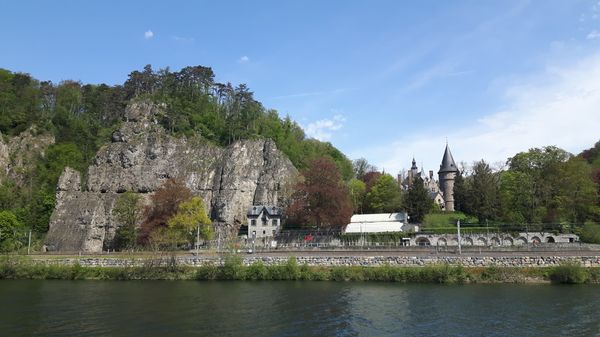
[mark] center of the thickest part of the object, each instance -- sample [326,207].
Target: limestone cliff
[141,156]
[18,154]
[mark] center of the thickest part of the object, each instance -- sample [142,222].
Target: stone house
[263,221]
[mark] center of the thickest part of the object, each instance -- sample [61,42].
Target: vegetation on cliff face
[82,117]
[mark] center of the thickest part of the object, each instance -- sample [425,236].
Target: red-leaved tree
[320,198]
[165,201]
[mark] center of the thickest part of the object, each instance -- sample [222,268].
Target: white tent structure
[379,223]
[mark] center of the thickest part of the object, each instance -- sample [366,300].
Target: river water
[189,308]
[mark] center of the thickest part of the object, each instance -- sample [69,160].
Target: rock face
[18,155]
[142,156]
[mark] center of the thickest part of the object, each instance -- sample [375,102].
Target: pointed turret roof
[414,164]
[448,164]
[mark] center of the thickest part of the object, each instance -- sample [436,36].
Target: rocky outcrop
[142,156]
[4,156]
[19,154]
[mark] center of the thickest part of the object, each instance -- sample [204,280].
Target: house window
[274,222]
[264,221]
[264,232]
[253,222]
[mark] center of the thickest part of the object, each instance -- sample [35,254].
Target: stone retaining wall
[405,261]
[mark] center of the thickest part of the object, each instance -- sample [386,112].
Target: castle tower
[447,173]
[414,171]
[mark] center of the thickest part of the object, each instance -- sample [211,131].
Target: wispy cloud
[244,59]
[437,71]
[148,34]
[558,107]
[313,93]
[594,34]
[323,129]
[182,39]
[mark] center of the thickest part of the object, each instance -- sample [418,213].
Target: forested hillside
[81,118]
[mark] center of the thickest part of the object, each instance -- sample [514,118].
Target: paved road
[424,253]
[405,252]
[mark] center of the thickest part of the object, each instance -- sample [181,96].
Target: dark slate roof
[255,210]
[448,164]
[433,194]
[414,164]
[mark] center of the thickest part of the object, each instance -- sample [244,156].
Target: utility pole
[197,239]
[29,243]
[218,241]
[458,232]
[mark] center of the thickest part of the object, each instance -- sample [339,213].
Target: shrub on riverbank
[569,273]
[233,269]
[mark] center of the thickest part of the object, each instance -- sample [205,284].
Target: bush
[443,219]
[502,274]
[257,271]
[569,273]
[590,233]
[232,269]
[207,272]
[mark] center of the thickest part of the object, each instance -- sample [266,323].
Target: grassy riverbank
[233,269]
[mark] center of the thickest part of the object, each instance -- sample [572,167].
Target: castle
[441,193]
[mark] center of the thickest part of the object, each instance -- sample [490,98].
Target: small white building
[263,221]
[380,223]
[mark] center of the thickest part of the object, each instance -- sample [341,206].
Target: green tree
[128,212]
[578,193]
[516,197]
[12,232]
[590,233]
[543,168]
[418,202]
[385,196]
[484,192]
[461,197]
[190,216]
[357,189]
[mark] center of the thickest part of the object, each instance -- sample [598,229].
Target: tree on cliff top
[321,198]
[165,202]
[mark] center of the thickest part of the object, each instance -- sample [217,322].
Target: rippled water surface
[188,308]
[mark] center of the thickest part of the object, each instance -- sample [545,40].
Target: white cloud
[244,59]
[560,107]
[148,34]
[594,34]
[323,129]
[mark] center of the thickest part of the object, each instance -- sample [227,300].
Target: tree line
[540,186]
[82,117]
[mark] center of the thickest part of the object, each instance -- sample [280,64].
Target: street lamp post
[458,232]
[197,239]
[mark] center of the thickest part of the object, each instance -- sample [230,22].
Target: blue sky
[384,80]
